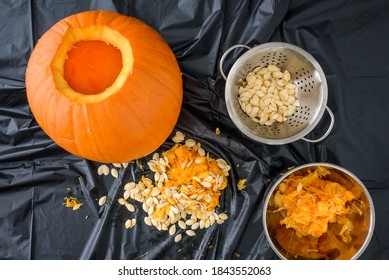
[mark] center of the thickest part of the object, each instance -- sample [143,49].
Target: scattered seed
[172,230]
[128,223]
[147,221]
[190,222]
[122,201]
[190,232]
[182,224]
[223,216]
[102,200]
[129,186]
[114,173]
[103,170]
[190,143]
[130,207]
[195,226]
[126,194]
[178,238]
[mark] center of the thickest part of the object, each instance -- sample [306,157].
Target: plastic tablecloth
[347,37]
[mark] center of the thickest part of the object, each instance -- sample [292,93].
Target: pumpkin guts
[312,202]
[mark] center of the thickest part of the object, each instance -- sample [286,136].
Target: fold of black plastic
[349,40]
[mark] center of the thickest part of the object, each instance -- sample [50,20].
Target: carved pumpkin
[104,86]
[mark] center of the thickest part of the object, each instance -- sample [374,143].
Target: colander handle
[225,55]
[328,130]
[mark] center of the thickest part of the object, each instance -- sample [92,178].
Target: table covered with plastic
[347,38]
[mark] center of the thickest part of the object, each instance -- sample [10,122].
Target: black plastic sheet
[348,38]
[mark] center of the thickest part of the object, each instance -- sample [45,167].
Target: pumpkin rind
[128,123]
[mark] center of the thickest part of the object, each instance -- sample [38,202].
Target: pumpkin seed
[103,170]
[122,201]
[126,195]
[129,186]
[181,224]
[174,209]
[206,184]
[155,192]
[102,200]
[190,143]
[223,216]
[130,207]
[117,165]
[128,223]
[190,222]
[164,226]
[151,210]
[258,93]
[114,173]
[147,221]
[195,226]
[172,230]
[178,238]
[190,232]
[145,207]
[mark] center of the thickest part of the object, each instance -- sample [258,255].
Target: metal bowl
[287,245]
[306,73]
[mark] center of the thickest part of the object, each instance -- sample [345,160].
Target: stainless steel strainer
[306,73]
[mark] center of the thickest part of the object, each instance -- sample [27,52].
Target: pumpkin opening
[92,66]
[91,63]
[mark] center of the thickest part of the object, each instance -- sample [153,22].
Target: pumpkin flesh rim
[74,35]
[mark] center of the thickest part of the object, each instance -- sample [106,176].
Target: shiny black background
[348,38]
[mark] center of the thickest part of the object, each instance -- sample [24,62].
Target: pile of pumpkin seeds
[155,199]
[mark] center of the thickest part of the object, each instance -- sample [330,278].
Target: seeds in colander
[267,94]
[102,200]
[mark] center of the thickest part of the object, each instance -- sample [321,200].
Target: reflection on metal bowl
[346,234]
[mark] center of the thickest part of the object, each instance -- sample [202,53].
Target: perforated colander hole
[267,130]
[300,116]
[273,58]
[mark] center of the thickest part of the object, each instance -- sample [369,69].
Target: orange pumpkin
[104,86]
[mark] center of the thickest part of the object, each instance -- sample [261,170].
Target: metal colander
[306,73]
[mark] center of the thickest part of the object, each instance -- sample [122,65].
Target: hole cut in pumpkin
[92,66]
[79,66]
